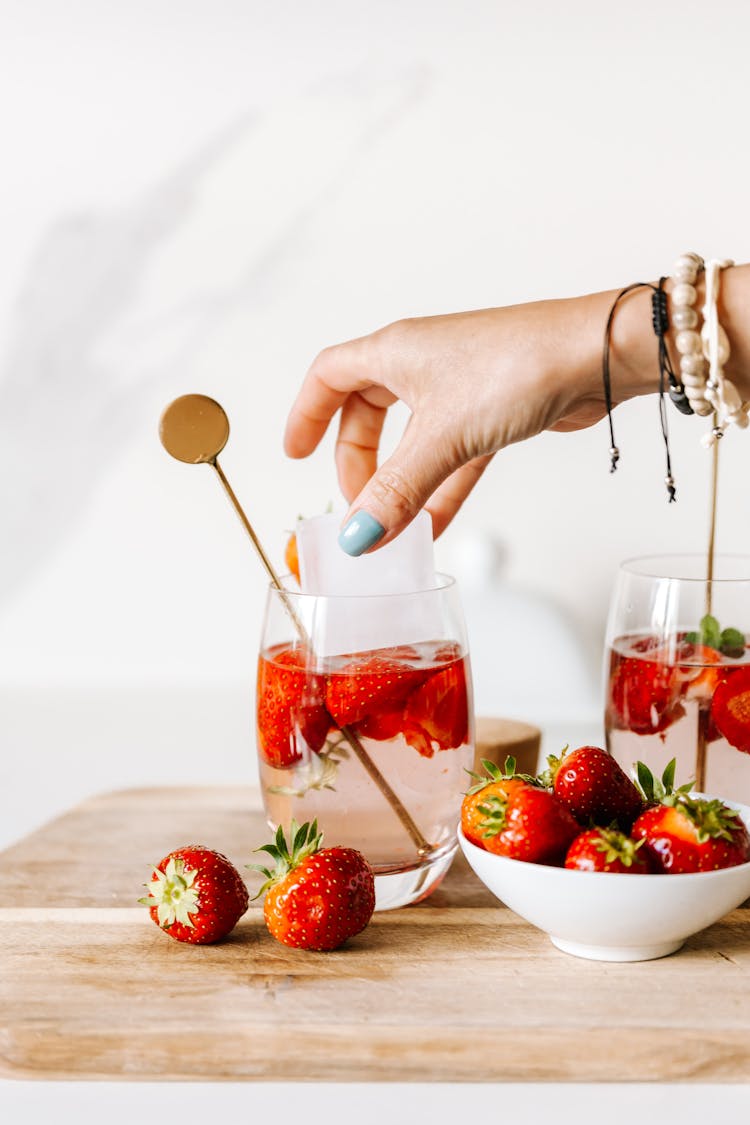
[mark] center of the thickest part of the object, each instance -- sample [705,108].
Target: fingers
[360,427]
[336,373]
[450,495]
[398,490]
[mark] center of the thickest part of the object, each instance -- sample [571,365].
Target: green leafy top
[616,845]
[492,772]
[661,791]
[711,819]
[729,642]
[306,840]
[548,775]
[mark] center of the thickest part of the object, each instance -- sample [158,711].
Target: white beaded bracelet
[720,392]
[687,339]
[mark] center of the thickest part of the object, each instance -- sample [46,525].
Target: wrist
[633,345]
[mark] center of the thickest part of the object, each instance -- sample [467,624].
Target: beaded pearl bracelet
[687,339]
[720,392]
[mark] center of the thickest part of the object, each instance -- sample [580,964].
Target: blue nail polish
[359,533]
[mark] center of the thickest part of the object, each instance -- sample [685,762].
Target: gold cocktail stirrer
[195,429]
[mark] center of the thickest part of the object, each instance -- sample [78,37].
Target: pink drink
[668,698]
[408,709]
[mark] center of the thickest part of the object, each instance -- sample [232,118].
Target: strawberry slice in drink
[437,713]
[291,707]
[370,686]
[699,670]
[730,708]
[644,695]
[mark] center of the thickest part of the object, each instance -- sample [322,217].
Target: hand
[474,383]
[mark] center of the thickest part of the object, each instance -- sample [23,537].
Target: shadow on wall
[90,338]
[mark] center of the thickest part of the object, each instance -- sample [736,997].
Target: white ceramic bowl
[612,917]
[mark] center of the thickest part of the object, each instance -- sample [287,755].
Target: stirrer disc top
[194,429]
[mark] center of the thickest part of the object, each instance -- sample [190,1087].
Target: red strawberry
[196,895]
[437,713]
[315,898]
[730,709]
[382,726]
[530,824]
[692,834]
[291,713]
[480,804]
[371,683]
[643,695]
[592,785]
[603,849]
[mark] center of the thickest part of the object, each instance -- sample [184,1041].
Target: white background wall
[199,196]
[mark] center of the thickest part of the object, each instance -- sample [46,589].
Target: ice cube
[401,568]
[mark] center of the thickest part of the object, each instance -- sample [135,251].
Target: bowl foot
[617,953]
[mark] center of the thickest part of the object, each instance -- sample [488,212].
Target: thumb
[395,493]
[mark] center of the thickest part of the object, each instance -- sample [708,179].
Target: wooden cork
[498,738]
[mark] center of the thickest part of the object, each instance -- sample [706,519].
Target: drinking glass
[365,723]
[678,670]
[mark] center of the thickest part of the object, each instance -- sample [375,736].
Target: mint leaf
[693,638]
[732,643]
[711,631]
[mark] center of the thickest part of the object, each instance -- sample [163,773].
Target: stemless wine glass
[678,670]
[365,723]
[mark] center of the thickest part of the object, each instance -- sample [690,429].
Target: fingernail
[359,533]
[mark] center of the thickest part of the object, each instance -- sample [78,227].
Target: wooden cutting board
[456,988]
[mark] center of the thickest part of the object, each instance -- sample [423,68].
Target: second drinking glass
[678,673]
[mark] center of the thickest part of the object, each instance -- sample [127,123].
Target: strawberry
[437,713]
[529,824]
[730,709]
[592,785]
[604,849]
[381,726]
[692,834]
[370,683]
[196,895]
[480,803]
[643,695]
[291,556]
[316,897]
[291,707]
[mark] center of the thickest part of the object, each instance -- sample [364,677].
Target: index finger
[335,374]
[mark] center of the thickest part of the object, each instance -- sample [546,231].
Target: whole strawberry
[478,806]
[691,834]
[196,895]
[316,897]
[605,849]
[528,824]
[592,785]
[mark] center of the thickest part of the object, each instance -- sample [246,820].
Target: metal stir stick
[194,429]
